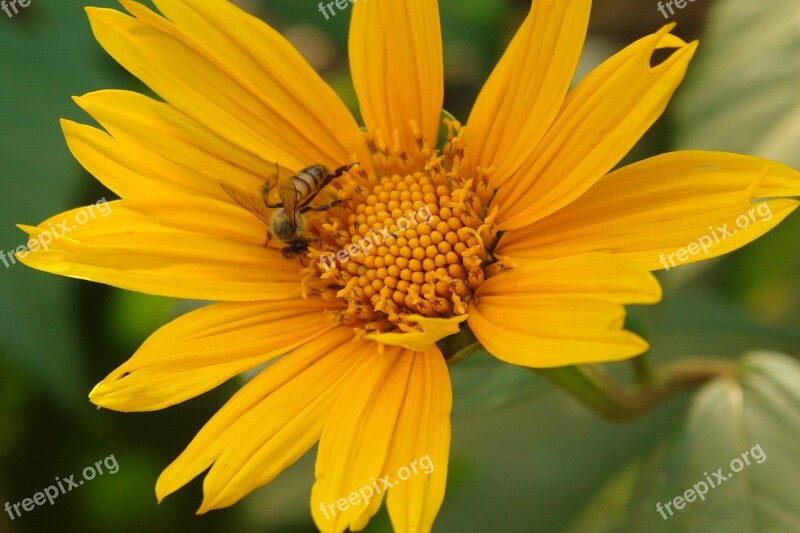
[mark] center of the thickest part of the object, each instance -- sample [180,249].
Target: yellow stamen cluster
[413,243]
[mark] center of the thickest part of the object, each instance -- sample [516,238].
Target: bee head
[295,249]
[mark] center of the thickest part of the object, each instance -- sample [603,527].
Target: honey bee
[296,192]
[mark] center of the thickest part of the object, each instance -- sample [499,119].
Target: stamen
[410,240]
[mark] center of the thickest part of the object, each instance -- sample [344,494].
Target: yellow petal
[355,443]
[696,204]
[268,424]
[153,150]
[420,451]
[602,118]
[523,95]
[204,348]
[562,312]
[235,76]
[396,63]
[433,330]
[192,248]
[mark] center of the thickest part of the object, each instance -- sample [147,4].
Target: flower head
[514,230]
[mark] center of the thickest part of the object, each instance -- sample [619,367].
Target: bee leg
[269,238]
[265,195]
[332,176]
[341,170]
[270,184]
[329,177]
[322,207]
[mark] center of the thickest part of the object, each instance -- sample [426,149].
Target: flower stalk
[595,388]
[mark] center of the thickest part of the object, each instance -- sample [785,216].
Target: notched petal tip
[101,395]
[663,40]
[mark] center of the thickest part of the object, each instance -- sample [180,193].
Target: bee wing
[278,177]
[290,199]
[250,201]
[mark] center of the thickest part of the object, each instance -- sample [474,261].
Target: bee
[296,192]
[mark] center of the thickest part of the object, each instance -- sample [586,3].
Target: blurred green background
[525,457]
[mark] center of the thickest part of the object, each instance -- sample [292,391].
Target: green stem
[643,370]
[596,389]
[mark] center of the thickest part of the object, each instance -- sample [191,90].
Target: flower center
[407,243]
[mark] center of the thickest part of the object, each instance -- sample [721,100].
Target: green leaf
[753,419]
[458,347]
[482,384]
[741,93]
[589,385]
[697,320]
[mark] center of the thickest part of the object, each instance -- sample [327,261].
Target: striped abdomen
[309,180]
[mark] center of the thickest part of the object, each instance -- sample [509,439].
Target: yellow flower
[514,228]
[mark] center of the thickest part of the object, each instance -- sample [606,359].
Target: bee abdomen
[309,179]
